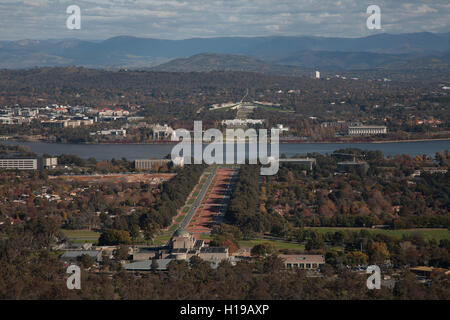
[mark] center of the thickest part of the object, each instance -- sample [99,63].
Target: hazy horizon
[219,37]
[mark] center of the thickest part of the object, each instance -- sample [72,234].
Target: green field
[162,239]
[94,242]
[271,108]
[276,244]
[180,218]
[81,235]
[205,236]
[428,234]
[185,209]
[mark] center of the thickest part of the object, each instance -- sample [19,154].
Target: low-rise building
[303,261]
[27,163]
[67,123]
[149,164]
[111,132]
[162,132]
[146,265]
[19,163]
[213,253]
[13,120]
[71,255]
[49,163]
[242,122]
[426,272]
[309,162]
[141,254]
[366,130]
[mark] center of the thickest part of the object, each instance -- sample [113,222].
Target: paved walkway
[214,204]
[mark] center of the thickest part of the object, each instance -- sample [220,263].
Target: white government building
[366,130]
[242,122]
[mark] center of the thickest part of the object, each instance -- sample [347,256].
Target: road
[197,201]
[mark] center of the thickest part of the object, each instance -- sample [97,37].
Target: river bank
[283,141]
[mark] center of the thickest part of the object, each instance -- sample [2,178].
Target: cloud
[425,9]
[272,27]
[179,19]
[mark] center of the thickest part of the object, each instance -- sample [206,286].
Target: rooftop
[181,233]
[213,250]
[367,127]
[78,253]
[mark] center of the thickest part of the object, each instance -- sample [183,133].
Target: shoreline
[361,142]
[281,142]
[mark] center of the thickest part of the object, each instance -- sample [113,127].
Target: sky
[182,19]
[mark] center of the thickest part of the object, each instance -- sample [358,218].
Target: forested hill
[226,62]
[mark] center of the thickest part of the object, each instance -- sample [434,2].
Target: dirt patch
[113,178]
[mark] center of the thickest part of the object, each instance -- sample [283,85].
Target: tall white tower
[317,74]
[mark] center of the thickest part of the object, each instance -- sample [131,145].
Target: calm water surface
[140,151]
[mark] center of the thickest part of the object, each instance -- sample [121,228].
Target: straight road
[197,201]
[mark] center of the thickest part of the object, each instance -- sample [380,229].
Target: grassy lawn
[185,209]
[94,242]
[191,201]
[428,234]
[205,236]
[162,239]
[196,192]
[81,235]
[181,217]
[270,108]
[276,244]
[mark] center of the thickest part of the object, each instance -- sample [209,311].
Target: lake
[142,151]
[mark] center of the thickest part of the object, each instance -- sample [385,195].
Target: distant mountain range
[259,54]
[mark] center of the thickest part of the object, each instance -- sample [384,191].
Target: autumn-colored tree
[378,252]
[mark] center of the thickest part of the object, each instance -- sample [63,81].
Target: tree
[177,269]
[155,264]
[316,242]
[378,252]
[262,249]
[86,260]
[121,253]
[357,257]
[114,237]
